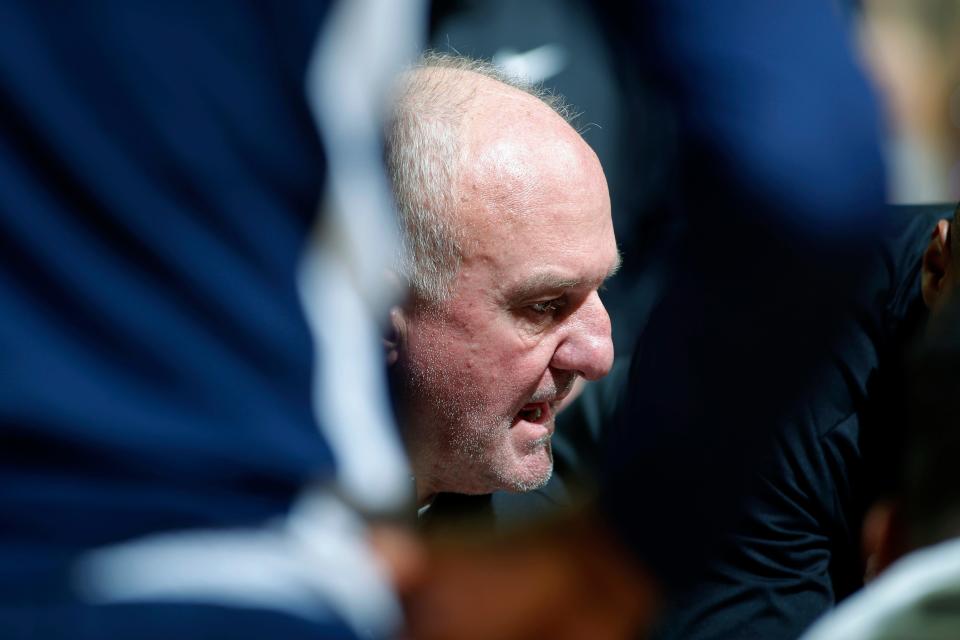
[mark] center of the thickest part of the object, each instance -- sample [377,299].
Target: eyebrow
[550,281]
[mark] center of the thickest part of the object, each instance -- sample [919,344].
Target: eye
[548,306]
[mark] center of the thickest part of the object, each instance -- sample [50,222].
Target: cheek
[518,374]
[431,353]
[501,357]
[484,358]
[449,354]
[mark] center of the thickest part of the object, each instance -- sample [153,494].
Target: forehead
[536,212]
[531,197]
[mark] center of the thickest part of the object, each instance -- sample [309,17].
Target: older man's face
[487,369]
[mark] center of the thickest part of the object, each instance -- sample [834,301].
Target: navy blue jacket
[159,172]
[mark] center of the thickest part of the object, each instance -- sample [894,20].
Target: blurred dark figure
[912,535]
[160,170]
[776,232]
[795,551]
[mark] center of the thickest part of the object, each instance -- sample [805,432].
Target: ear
[936,264]
[395,334]
[884,537]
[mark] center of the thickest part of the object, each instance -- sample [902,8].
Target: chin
[533,471]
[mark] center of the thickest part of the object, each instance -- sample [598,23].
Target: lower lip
[530,436]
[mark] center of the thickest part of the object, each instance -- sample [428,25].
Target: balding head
[443,105]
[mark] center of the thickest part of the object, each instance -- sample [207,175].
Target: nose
[587,346]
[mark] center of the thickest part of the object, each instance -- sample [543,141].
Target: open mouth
[536,412]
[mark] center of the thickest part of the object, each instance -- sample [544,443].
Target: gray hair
[424,159]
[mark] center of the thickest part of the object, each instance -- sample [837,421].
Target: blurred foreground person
[913,537]
[163,474]
[507,237]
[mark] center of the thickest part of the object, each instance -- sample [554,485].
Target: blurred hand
[401,553]
[565,580]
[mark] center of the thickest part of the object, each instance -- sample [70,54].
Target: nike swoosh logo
[533,66]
